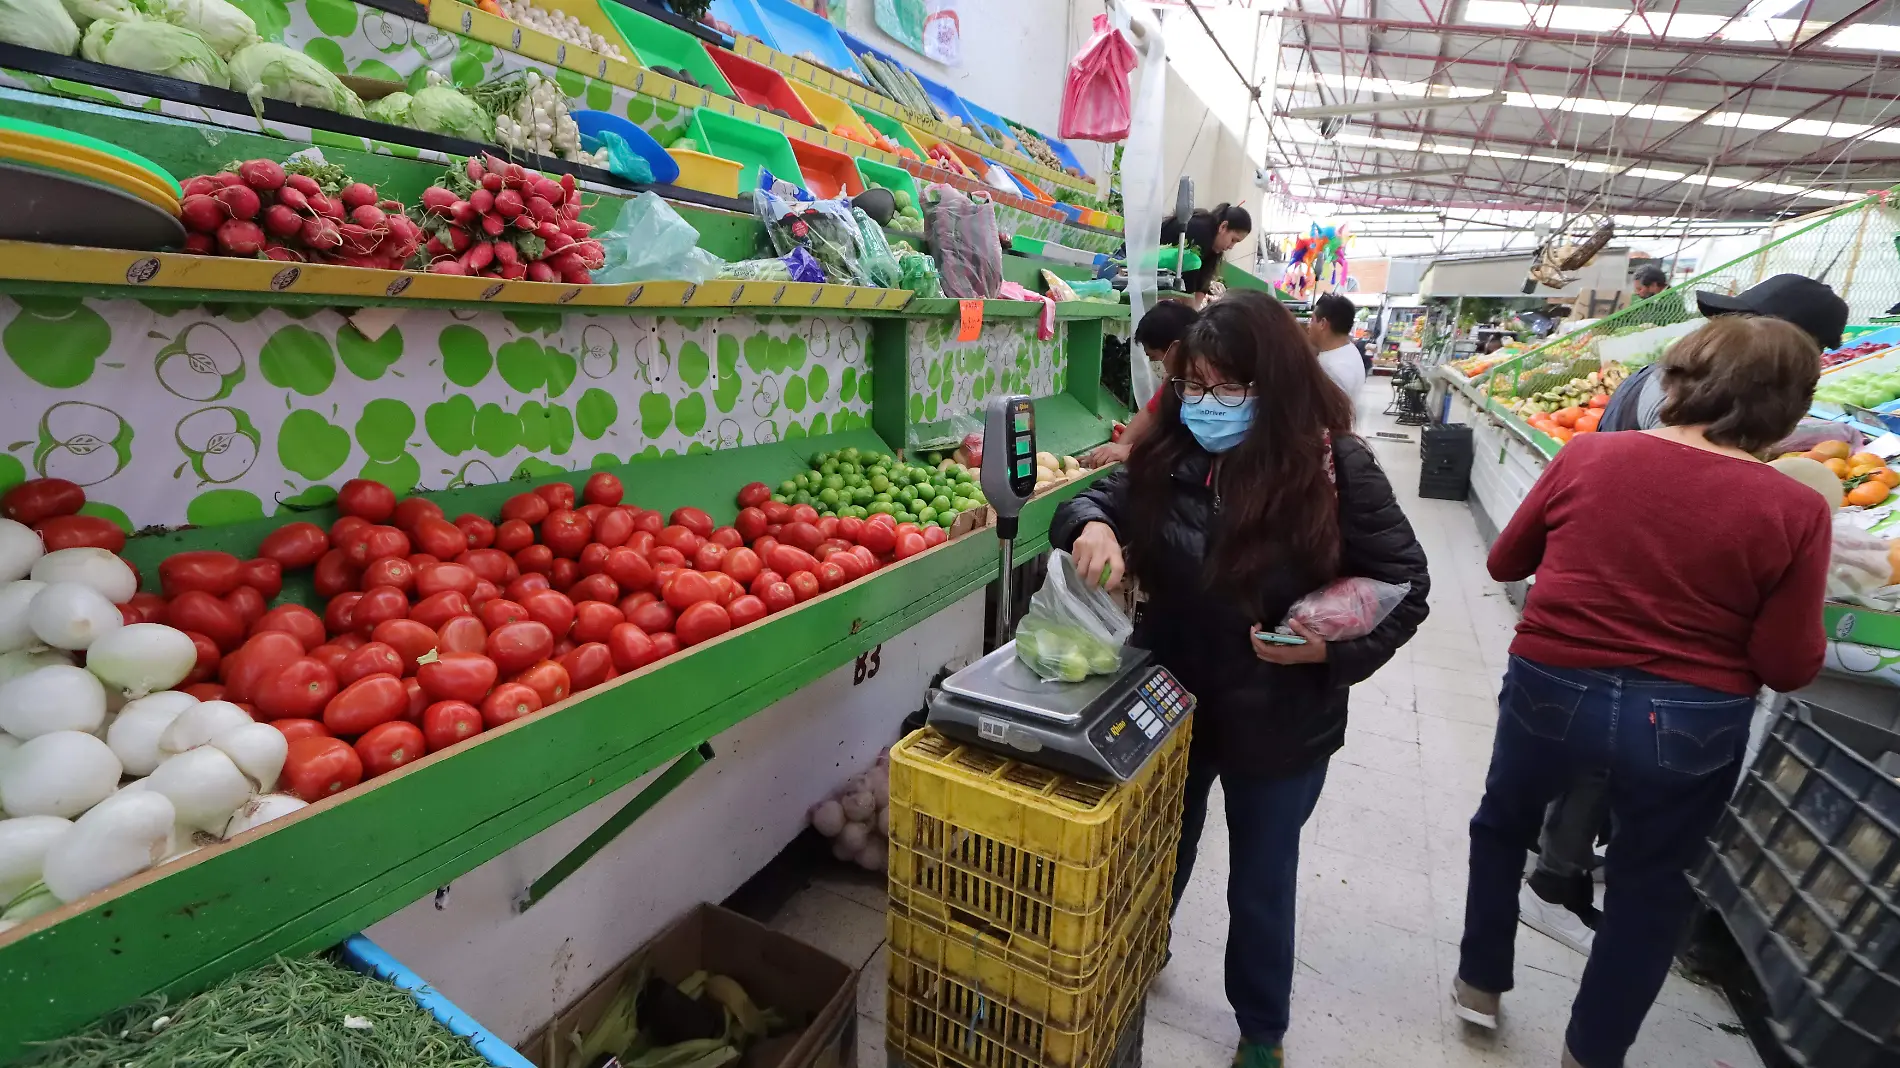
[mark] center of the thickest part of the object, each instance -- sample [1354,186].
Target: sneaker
[1554,920]
[1570,1060]
[1255,1055]
[1474,1006]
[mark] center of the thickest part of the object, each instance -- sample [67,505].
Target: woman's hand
[1313,652]
[1094,551]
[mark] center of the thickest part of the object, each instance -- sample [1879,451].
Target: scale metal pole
[1008,475]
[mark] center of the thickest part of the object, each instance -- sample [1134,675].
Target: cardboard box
[777,970]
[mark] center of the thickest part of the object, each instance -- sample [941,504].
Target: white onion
[258,749]
[859,807]
[853,837]
[23,846]
[880,784]
[101,570]
[260,810]
[57,698]
[197,725]
[884,821]
[872,856]
[19,547]
[827,818]
[204,785]
[134,735]
[72,615]
[122,836]
[142,658]
[840,850]
[24,661]
[15,632]
[59,774]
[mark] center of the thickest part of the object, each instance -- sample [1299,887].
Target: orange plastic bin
[828,173]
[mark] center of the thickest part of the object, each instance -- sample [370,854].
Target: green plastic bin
[892,129]
[656,44]
[891,178]
[749,145]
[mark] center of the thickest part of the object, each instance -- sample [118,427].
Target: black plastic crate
[1449,439]
[1445,487]
[1815,1035]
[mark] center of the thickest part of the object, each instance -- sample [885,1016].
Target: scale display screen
[1020,436]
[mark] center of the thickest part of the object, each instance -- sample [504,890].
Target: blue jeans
[1670,752]
[1264,818]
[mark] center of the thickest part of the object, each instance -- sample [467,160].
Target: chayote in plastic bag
[1073,629]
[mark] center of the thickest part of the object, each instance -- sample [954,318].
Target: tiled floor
[1382,870]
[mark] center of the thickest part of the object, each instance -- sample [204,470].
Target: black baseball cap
[1806,303]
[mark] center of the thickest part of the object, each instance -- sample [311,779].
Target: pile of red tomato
[434,630]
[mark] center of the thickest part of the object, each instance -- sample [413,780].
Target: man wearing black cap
[1806,303]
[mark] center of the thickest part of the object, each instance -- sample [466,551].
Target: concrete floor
[1382,869]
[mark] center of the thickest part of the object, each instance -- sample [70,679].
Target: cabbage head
[267,69]
[41,24]
[441,110]
[223,25]
[392,109]
[87,12]
[155,47]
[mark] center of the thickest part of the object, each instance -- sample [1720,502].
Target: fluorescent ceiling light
[1392,176]
[1762,21]
[1365,107]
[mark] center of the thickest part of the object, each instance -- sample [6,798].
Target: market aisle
[1382,869]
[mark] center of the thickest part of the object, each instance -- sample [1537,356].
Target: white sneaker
[1553,920]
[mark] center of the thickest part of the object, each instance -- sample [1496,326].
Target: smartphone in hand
[1272,638]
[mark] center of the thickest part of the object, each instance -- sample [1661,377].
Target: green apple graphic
[214,508]
[818,382]
[656,413]
[56,341]
[384,428]
[299,359]
[12,472]
[401,474]
[600,351]
[201,364]
[595,413]
[497,431]
[693,364]
[795,392]
[310,445]
[365,358]
[726,389]
[310,499]
[522,364]
[465,356]
[450,424]
[560,371]
[689,414]
[534,427]
[385,33]
[220,444]
[82,443]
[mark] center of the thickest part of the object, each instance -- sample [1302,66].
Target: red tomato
[666,556]
[264,575]
[765,578]
[365,703]
[346,528]
[209,657]
[710,557]
[378,604]
[753,494]
[687,588]
[491,565]
[830,576]
[330,655]
[514,535]
[764,546]
[295,545]
[417,700]
[447,722]
[552,610]
[663,574]
[442,578]
[867,558]
[484,591]
[665,644]
[439,608]
[563,574]
[803,535]
[746,609]
[462,634]
[593,558]
[592,512]
[409,638]
[39,499]
[828,527]
[249,604]
[635,600]
[694,520]
[199,611]
[374,658]
[558,495]
[335,574]
[779,596]
[562,648]
[642,542]
[439,537]
[629,647]
[849,528]
[602,488]
[389,746]
[909,545]
[614,527]
[650,522]
[390,571]
[776,511]
[375,543]
[803,513]
[908,528]
[750,524]
[298,690]
[80,531]
[317,767]
[594,588]
[847,562]
[654,617]
[566,532]
[535,559]
[509,702]
[337,614]
[205,691]
[830,547]
[804,584]
[458,677]
[934,536]
[519,589]
[588,665]
[479,533]
[500,612]
[787,559]
[878,537]
[594,620]
[549,681]
[742,564]
[213,572]
[349,642]
[245,670]
[412,510]
[371,500]
[530,508]
[884,519]
[702,622]
[306,626]
[684,539]
[724,586]
[422,560]
[294,729]
[727,537]
[515,646]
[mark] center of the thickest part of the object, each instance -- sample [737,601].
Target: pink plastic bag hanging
[1095,97]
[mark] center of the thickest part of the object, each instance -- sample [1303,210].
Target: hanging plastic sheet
[1142,192]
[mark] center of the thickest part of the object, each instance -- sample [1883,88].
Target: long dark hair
[1278,507]
[1203,225]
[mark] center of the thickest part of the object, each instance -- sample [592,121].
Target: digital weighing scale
[1104,727]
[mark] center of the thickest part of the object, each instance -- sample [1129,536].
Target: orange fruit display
[1830,450]
[1869,493]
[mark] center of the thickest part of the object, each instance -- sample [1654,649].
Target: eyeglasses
[1228,394]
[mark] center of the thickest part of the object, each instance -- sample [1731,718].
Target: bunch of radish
[503,220]
[260,209]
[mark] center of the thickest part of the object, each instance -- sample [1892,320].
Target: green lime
[851,453]
[946,516]
[861,494]
[782,498]
[879,483]
[940,502]
[926,514]
[829,497]
[788,487]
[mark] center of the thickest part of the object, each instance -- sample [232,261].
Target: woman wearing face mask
[1249,492]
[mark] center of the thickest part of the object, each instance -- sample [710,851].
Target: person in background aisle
[1808,304]
[1157,333]
[1648,281]
[1210,233]
[1330,330]
[1249,492]
[1642,646]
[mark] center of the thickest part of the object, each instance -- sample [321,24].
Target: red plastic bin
[827,172]
[760,86]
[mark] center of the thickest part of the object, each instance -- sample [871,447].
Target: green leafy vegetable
[441,109]
[271,70]
[155,47]
[87,12]
[41,24]
[392,109]
[224,26]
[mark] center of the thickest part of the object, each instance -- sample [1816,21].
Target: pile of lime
[909,216]
[860,483]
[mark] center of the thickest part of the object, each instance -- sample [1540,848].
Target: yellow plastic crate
[706,173]
[952,1005]
[1035,866]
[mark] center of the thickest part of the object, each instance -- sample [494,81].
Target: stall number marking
[867,665]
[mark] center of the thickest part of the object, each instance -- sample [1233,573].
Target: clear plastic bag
[825,228]
[1073,628]
[623,161]
[796,266]
[879,263]
[962,233]
[1346,608]
[650,242]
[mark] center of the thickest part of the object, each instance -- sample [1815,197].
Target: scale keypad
[1151,711]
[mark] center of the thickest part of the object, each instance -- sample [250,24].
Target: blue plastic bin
[952,104]
[790,29]
[991,118]
[592,123]
[744,20]
[367,957]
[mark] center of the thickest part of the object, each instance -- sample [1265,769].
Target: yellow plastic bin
[706,173]
[953,164]
[833,113]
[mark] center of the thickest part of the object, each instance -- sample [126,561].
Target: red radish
[545,189]
[459,240]
[262,174]
[507,254]
[280,252]
[389,205]
[558,242]
[542,209]
[240,238]
[446,267]
[437,200]
[474,169]
[482,200]
[303,183]
[201,244]
[514,272]
[508,203]
[435,248]
[578,278]
[463,213]
[293,199]
[567,185]
[478,256]
[329,206]
[493,225]
[369,215]
[202,213]
[200,185]
[228,178]
[282,221]
[539,271]
[492,182]
[565,262]
[571,208]
[525,222]
[357,194]
[321,235]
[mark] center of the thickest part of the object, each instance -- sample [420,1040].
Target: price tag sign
[969,319]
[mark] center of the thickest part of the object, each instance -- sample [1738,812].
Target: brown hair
[1747,379]
[1279,508]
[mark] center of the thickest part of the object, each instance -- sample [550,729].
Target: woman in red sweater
[1676,576]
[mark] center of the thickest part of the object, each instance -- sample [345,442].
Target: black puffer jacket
[1260,718]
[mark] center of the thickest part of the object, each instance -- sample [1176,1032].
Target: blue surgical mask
[1215,425]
